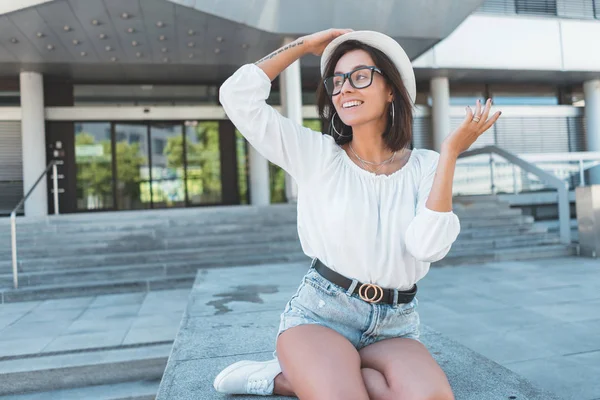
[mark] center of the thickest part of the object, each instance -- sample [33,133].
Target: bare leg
[407,371]
[319,363]
[400,382]
[283,386]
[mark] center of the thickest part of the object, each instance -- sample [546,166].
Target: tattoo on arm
[273,54]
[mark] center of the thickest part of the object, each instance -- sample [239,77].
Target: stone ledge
[230,318]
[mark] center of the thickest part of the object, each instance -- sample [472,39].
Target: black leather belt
[369,292]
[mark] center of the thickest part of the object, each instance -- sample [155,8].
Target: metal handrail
[13,215]
[585,161]
[564,214]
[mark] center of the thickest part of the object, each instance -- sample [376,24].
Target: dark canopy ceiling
[199,41]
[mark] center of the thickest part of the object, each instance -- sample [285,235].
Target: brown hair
[397,135]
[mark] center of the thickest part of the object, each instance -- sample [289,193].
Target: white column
[440,110]
[291,102]
[33,142]
[260,189]
[591,90]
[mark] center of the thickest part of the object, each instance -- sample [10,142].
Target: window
[134,138]
[158,146]
[536,7]
[93,157]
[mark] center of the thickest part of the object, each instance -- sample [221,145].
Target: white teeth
[352,104]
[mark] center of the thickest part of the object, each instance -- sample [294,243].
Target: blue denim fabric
[318,301]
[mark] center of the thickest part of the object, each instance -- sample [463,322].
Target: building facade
[124,93]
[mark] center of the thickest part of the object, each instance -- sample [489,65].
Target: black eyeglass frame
[347,76]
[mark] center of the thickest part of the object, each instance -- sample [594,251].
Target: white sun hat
[387,45]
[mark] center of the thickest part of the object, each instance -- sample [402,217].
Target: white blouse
[373,228]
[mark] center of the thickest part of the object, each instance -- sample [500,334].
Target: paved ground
[540,319]
[90,322]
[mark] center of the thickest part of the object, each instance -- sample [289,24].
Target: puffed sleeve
[293,147]
[430,234]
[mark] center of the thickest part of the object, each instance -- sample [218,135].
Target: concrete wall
[520,43]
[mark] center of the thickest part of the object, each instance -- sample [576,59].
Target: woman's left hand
[471,128]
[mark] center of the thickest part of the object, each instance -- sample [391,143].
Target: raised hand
[473,126]
[317,41]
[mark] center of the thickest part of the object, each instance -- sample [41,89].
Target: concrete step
[477,198]
[125,244]
[113,286]
[139,390]
[110,231]
[93,288]
[462,204]
[205,215]
[474,246]
[143,225]
[138,272]
[101,258]
[500,231]
[509,254]
[102,236]
[492,212]
[490,222]
[46,373]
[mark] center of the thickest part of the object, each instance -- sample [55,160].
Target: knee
[443,393]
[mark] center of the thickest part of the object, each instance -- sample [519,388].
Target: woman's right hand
[317,41]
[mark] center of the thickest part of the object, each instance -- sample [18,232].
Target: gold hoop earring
[333,126]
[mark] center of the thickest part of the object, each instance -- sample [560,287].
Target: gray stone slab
[118,299]
[65,304]
[91,325]
[158,319]
[151,334]
[52,315]
[504,347]
[86,341]
[30,330]
[571,312]
[119,311]
[572,378]
[18,308]
[208,340]
[9,319]
[17,347]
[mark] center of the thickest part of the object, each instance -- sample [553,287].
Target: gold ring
[377,295]
[476,119]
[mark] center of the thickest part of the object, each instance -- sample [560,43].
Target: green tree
[203,160]
[94,172]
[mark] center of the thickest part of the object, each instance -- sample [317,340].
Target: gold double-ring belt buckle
[374,297]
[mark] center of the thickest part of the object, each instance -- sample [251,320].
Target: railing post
[13,241]
[581,174]
[492,185]
[55,181]
[514,171]
[564,215]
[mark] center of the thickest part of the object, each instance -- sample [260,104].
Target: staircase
[90,254]
[99,253]
[492,231]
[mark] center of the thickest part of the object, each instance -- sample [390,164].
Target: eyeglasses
[360,78]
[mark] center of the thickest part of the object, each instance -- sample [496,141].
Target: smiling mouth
[352,104]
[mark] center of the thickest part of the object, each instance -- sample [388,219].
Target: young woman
[372,214]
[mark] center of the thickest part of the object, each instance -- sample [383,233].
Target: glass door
[168,165]
[203,166]
[133,190]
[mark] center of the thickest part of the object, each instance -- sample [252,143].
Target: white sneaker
[248,377]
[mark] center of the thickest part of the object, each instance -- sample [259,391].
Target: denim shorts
[318,301]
